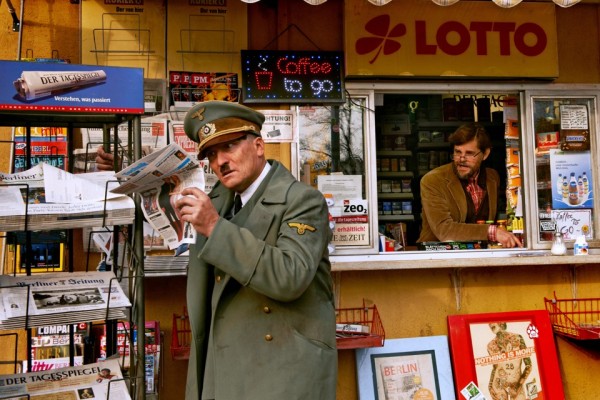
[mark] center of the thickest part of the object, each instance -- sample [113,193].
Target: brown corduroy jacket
[445,206]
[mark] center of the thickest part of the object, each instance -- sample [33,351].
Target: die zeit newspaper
[159,178]
[92,381]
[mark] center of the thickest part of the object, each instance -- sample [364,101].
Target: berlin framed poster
[406,369]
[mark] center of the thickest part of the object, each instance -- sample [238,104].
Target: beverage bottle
[565,188]
[580,247]
[559,183]
[580,186]
[586,184]
[573,191]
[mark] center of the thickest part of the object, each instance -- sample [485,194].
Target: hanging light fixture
[507,3]
[566,3]
[315,2]
[379,2]
[250,1]
[445,2]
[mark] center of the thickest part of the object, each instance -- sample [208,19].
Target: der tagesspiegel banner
[32,86]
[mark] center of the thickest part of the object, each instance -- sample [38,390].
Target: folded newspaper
[159,179]
[60,298]
[102,380]
[55,199]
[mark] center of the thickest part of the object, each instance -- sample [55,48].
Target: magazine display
[159,178]
[152,348]
[60,298]
[92,381]
[57,199]
[47,364]
[46,144]
[51,347]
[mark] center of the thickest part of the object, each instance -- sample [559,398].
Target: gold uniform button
[218,278]
[268,338]
[266,310]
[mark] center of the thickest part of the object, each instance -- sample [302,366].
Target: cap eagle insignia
[301,228]
[198,114]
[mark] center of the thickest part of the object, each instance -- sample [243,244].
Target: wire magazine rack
[182,336]
[372,336]
[575,318]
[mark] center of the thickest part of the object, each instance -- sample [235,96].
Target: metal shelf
[398,217]
[405,196]
[71,120]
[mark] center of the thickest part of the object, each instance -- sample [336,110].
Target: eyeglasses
[467,156]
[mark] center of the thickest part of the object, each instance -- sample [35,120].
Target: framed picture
[406,369]
[500,356]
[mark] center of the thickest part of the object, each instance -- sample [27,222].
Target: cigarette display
[36,84]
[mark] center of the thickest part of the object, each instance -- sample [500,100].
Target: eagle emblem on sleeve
[301,228]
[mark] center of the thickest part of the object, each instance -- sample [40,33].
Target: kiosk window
[564,139]
[412,132]
[332,159]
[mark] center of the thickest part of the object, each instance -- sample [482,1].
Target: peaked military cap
[212,122]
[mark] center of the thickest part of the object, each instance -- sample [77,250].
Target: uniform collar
[250,190]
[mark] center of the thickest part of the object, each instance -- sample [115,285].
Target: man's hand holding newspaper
[159,179]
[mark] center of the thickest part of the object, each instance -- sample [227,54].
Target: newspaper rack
[364,316]
[181,339]
[575,318]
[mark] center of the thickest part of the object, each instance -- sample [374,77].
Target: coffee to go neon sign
[292,77]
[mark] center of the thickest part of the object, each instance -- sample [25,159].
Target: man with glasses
[457,195]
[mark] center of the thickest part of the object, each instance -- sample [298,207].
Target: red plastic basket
[181,336]
[365,316]
[575,318]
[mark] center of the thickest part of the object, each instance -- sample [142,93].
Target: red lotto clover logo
[381,39]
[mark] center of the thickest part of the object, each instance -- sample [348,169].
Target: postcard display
[42,196]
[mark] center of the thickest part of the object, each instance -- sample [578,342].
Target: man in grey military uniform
[259,288]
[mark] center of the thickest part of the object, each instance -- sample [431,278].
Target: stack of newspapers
[165,265]
[102,380]
[45,198]
[60,298]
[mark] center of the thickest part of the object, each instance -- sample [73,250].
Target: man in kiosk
[458,194]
